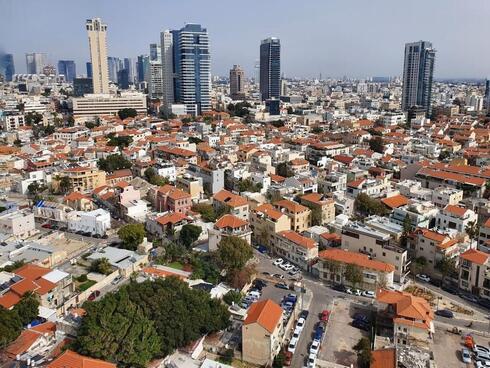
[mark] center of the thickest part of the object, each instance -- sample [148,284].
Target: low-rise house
[300,215]
[332,264]
[262,332]
[326,206]
[168,224]
[70,359]
[126,261]
[358,237]
[454,218]
[421,214]
[484,237]
[118,176]
[31,342]
[229,225]
[411,317]
[265,221]
[474,272]
[191,185]
[231,203]
[95,222]
[444,196]
[170,198]
[78,201]
[295,248]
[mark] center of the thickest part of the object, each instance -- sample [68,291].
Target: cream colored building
[233,203]
[97,32]
[228,225]
[266,221]
[191,185]
[474,272]
[82,179]
[105,104]
[325,205]
[300,215]
[443,196]
[262,332]
[19,224]
[295,248]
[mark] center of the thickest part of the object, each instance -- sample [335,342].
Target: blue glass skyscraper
[7,68]
[68,69]
[89,69]
[270,68]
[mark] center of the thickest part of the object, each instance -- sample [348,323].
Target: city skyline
[376,49]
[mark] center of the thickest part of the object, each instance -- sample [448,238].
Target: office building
[270,68]
[237,83]
[155,84]
[166,47]
[128,64]
[114,64]
[68,69]
[192,67]
[89,69]
[7,68]
[418,73]
[82,86]
[123,78]
[142,67]
[35,62]
[487,94]
[155,52]
[97,104]
[98,54]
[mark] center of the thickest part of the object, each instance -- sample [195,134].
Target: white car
[312,361]
[296,334]
[288,267]
[482,349]
[315,347]
[357,292]
[349,291]
[300,324]
[423,277]
[368,294]
[482,363]
[278,262]
[292,345]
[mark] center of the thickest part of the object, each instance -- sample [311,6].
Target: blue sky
[356,38]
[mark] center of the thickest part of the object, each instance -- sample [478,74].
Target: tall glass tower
[7,68]
[68,69]
[418,71]
[270,68]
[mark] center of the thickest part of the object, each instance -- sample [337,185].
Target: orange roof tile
[70,359]
[395,201]
[230,199]
[358,259]
[298,239]
[432,235]
[290,206]
[171,218]
[455,210]
[268,210]
[475,256]
[266,313]
[383,358]
[230,221]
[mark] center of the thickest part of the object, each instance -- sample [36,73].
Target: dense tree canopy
[131,235]
[114,162]
[127,113]
[101,265]
[152,177]
[376,144]
[234,253]
[189,234]
[121,142]
[12,321]
[369,206]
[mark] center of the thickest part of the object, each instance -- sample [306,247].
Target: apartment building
[421,214]
[454,218]
[82,179]
[229,225]
[300,215]
[12,122]
[372,187]
[213,179]
[265,221]
[190,184]
[443,196]
[170,198]
[325,205]
[316,151]
[332,263]
[104,104]
[474,272]
[484,237]
[295,248]
[19,224]
[360,238]
[95,222]
[231,203]
[262,332]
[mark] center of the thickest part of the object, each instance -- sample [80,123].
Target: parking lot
[341,336]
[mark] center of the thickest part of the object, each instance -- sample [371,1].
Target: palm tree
[472,229]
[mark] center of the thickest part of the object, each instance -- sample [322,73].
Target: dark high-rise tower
[89,69]
[237,83]
[7,68]
[270,68]
[418,73]
[68,69]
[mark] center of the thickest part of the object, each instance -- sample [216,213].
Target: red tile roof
[290,206]
[266,313]
[230,199]
[383,358]
[230,221]
[298,239]
[475,256]
[395,201]
[358,259]
[268,210]
[455,210]
[70,359]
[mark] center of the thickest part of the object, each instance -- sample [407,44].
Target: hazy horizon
[336,38]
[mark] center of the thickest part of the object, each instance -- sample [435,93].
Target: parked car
[482,363]
[312,361]
[368,294]
[479,355]
[325,315]
[361,325]
[465,355]
[93,295]
[296,333]
[484,303]
[319,330]
[300,324]
[288,358]
[450,289]
[292,345]
[282,285]
[304,314]
[46,226]
[314,347]
[259,283]
[423,277]
[116,280]
[469,297]
[278,276]
[482,349]
[362,317]
[339,287]
[445,313]
[278,261]
[357,292]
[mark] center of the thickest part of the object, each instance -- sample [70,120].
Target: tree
[27,308]
[290,110]
[369,206]
[316,216]
[35,188]
[10,326]
[116,329]
[120,141]
[446,266]
[152,177]
[419,264]
[189,234]
[472,229]
[205,267]
[232,296]
[238,278]
[407,228]
[376,144]
[227,357]
[353,274]
[102,266]
[247,185]
[282,169]
[363,349]
[206,211]
[195,140]
[127,113]
[14,266]
[317,130]
[279,360]
[444,155]
[234,253]
[131,235]
[64,184]
[33,118]
[114,162]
